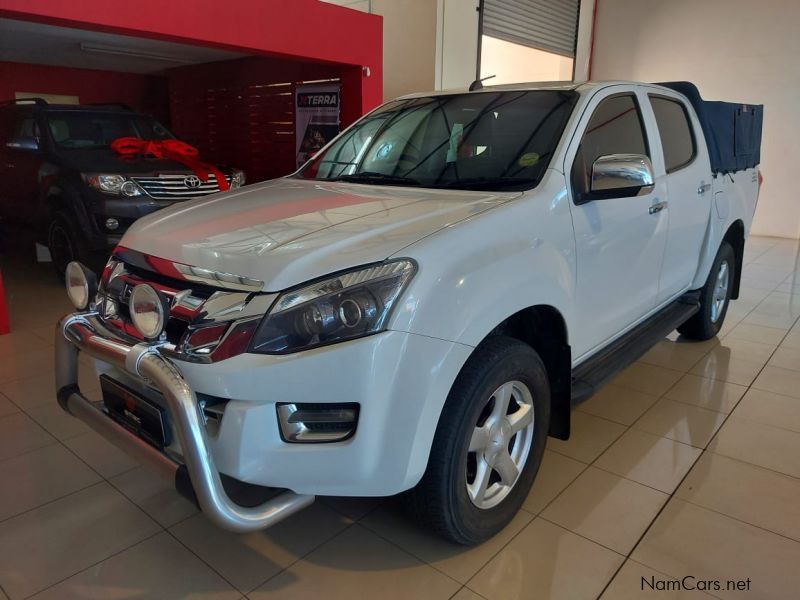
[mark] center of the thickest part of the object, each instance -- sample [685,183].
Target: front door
[20,169]
[619,240]
[688,181]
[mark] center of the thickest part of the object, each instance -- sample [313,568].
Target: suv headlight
[113,184]
[343,307]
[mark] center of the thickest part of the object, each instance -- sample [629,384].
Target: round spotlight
[112,224]
[149,311]
[81,285]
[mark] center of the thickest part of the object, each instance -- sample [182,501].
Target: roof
[528,86]
[544,85]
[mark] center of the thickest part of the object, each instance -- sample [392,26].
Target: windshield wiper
[488,183]
[376,178]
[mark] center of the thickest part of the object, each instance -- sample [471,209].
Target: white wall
[409,42]
[583,45]
[734,50]
[456,43]
[515,63]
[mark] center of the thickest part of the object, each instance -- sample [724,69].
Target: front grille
[172,187]
[200,316]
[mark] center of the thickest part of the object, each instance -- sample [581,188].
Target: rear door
[685,167]
[620,240]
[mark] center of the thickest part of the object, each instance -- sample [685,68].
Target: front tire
[715,297]
[488,444]
[64,244]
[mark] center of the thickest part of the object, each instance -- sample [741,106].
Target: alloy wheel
[500,444]
[720,294]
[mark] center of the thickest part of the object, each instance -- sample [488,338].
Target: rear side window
[615,128]
[675,130]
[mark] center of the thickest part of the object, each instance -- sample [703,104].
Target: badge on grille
[193,181]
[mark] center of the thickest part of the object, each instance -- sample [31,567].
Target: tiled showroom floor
[688,464]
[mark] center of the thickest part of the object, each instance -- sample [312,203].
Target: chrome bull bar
[80,332]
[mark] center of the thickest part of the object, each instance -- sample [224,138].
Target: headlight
[237,178]
[113,184]
[148,310]
[344,307]
[81,285]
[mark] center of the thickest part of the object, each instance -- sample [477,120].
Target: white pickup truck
[418,307]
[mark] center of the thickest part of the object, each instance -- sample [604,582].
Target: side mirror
[24,144]
[620,176]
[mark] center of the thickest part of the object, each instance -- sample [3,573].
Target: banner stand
[317,118]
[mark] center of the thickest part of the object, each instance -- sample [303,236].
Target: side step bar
[589,376]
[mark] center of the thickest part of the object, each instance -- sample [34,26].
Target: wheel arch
[544,328]
[735,237]
[62,197]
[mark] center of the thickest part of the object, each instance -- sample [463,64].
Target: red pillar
[5,327]
[360,92]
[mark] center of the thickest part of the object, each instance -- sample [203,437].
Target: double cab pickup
[420,305]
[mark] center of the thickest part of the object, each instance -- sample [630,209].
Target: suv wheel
[64,245]
[488,444]
[714,297]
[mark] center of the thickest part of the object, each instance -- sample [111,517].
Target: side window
[6,124]
[615,128]
[28,128]
[675,131]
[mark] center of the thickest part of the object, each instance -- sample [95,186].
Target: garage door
[548,25]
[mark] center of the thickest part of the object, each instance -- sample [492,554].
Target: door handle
[704,187]
[657,207]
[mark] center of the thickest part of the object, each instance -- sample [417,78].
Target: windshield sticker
[529,159]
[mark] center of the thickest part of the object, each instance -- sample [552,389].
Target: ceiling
[22,41]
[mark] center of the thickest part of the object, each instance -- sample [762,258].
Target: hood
[288,231]
[105,160]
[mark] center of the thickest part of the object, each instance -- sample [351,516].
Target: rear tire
[715,297]
[488,444]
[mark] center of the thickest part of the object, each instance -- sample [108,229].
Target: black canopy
[732,131]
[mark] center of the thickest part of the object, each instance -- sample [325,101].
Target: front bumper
[197,476]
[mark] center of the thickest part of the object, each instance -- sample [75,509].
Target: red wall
[219,106]
[241,112]
[306,29]
[145,93]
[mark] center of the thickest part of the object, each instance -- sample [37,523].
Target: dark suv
[59,175]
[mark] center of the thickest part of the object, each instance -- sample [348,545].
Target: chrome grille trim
[218,279]
[166,186]
[188,312]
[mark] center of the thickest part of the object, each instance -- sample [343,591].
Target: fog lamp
[309,423]
[148,310]
[112,224]
[81,285]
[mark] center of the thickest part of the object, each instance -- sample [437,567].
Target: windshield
[89,130]
[487,140]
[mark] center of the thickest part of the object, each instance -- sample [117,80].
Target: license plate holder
[136,413]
